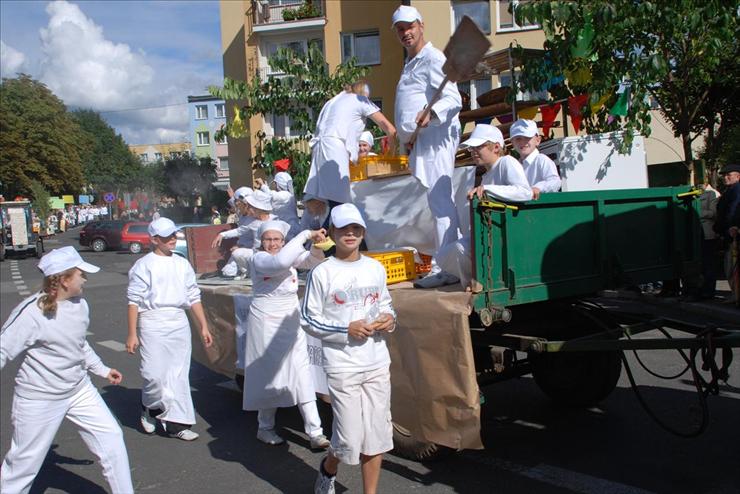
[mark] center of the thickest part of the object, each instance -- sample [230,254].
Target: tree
[39,140]
[299,93]
[107,162]
[41,202]
[679,53]
[186,177]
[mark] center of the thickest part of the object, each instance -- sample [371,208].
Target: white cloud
[86,69]
[11,60]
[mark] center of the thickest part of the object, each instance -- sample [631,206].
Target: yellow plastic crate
[399,265]
[373,166]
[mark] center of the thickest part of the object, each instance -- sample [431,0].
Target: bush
[289,15]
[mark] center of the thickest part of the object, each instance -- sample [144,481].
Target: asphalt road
[532,446]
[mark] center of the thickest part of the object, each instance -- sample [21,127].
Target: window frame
[200,142]
[157,156]
[198,113]
[514,27]
[353,36]
[490,17]
[222,113]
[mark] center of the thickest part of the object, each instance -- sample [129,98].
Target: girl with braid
[53,383]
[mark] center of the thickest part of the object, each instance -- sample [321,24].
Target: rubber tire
[98,245]
[135,247]
[577,379]
[406,446]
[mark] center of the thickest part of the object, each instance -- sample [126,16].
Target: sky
[118,56]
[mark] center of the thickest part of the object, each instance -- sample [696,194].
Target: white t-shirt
[338,293]
[506,181]
[343,117]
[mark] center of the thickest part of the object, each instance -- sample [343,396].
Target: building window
[478,10]
[144,157]
[280,125]
[365,47]
[223,163]
[220,110]
[201,112]
[474,89]
[158,156]
[506,18]
[222,140]
[504,79]
[204,139]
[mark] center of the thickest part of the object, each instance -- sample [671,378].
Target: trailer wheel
[406,446]
[577,379]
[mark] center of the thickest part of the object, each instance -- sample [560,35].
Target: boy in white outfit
[348,307]
[161,286]
[541,172]
[53,383]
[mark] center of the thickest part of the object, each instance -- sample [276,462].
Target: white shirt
[162,282]
[343,117]
[275,275]
[541,172]
[505,180]
[338,293]
[57,354]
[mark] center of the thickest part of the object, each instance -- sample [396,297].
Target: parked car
[181,248]
[102,235]
[135,236]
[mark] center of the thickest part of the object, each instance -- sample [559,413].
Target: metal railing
[263,12]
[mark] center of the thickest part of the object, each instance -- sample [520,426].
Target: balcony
[287,16]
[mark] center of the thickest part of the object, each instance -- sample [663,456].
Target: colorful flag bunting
[575,103]
[548,117]
[621,106]
[528,113]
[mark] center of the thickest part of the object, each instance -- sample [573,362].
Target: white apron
[165,364]
[277,371]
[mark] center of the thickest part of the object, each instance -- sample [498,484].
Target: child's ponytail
[48,301]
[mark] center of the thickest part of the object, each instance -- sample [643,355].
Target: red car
[135,236]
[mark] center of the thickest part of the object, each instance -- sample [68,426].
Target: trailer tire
[577,379]
[406,446]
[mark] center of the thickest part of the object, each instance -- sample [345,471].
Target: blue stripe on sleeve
[313,322]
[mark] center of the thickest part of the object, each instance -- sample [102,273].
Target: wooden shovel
[464,50]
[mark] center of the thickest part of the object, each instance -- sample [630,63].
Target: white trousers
[35,423]
[456,259]
[238,262]
[309,412]
[442,206]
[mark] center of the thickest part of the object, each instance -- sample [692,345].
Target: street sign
[109,197]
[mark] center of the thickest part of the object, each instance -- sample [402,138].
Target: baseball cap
[484,133]
[62,259]
[162,227]
[367,137]
[260,200]
[405,13]
[525,128]
[242,192]
[346,214]
[729,168]
[273,225]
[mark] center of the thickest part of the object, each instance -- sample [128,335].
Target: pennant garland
[622,105]
[548,117]
[575,103]
[596,102]
[237,128]
[528,113]
[282,165]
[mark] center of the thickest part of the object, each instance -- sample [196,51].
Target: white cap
[162,227]
[526,128]
[404,13]
[367,137]
[260,200]
[484,133]
[62,259]
[273,225]
[283,181]
[242,192]
[346,214]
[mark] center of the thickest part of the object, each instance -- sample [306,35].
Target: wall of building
[154,151]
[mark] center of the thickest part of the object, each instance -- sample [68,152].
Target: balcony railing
[263,12]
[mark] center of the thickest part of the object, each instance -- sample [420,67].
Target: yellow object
[528,113]
[497,205]
[399,264]
[373,166]
[325,245]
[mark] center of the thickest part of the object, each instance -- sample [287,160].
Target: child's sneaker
[319,442]
[186,435]
[269,436]
[148,423]
[324,483]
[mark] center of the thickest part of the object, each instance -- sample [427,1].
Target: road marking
[25,293]
[19,282]
[17,277]
[22,288]
[531,425]
[560,477]
[113,345]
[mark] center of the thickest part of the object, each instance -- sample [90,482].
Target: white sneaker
[149,424]
[186,435]
[319,442]
[269,436]
[324,484]
[436,280]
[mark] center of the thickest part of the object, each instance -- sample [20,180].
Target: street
[532,446]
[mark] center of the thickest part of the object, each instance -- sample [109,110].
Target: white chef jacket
[505,180]
[162,282]
[285,208]
[433,154]
[541,172]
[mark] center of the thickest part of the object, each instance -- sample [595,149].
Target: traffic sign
[109,197]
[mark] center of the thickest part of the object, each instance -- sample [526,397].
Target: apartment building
[151,153]
[207,115]
[252,30]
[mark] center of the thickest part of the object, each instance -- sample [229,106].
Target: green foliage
[298,94]
[152,178]
[306,11]
[185,177]
[681,53]
[107,162]
[41,201]
[38,138]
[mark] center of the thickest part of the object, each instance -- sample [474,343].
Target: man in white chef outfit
[432,155]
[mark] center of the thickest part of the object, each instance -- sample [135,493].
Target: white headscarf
[283,181]
[273,225]
[367,137]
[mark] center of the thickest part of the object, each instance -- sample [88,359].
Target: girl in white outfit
[277,371]
[52,382]
[283,201]
[161,286]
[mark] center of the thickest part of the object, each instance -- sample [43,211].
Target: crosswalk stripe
[113,345]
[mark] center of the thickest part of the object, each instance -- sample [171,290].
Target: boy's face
[485,154]
[348,238]
[525,145]
[166,245]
